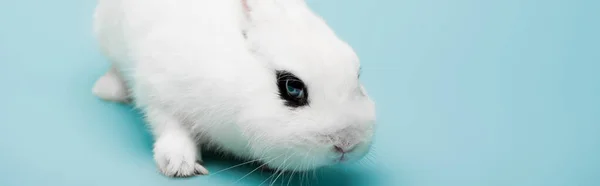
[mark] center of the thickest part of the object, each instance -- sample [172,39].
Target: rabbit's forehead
[317,56]
[321,64]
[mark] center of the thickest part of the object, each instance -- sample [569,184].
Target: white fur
[288,35]
[199,81]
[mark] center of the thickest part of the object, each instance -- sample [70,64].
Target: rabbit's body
[199,80]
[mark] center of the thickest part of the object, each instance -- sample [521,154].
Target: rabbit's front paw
[176,157]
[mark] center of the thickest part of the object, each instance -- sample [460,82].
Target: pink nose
[343,149]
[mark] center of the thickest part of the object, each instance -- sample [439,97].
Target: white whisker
[284,161]
[292,176]
[256,169]
[268,178]
[233,167]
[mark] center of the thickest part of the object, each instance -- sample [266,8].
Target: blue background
[469,92]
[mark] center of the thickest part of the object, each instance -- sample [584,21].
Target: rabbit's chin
[305,160]
[306,165]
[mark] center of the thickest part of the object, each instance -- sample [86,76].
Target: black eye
[291,89]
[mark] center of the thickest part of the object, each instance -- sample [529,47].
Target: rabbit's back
[185,55]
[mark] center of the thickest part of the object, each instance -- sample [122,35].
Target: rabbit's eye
[291,89]
[294,88]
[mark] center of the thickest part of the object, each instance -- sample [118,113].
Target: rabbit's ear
[245,6]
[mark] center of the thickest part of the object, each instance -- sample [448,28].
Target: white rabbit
[264,80]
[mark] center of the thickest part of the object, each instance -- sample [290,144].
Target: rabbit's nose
[344,148]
